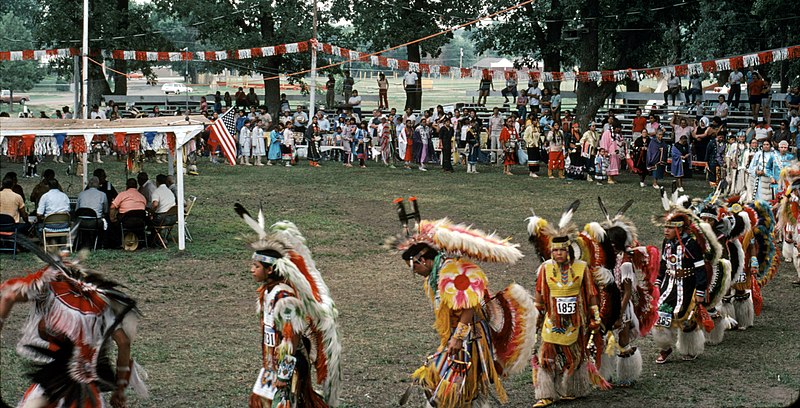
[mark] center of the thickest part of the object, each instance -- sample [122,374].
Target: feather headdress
[455,239]
[546,237]
[619,220]
[284,247]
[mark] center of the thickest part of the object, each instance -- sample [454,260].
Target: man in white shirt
[52,202]
[534,95]
[735,92]
[410,85]
[97,113]
[763,131]
[162,199]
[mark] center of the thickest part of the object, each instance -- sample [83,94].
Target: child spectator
[601,163]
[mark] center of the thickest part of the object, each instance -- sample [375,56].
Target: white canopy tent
[184,130]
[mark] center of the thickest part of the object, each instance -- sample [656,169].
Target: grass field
[199,338]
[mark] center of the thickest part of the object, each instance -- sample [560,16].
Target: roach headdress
[455,239]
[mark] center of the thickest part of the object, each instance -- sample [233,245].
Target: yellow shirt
[11,203]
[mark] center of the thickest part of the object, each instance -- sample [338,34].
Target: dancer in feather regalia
[728,225]
[689,253]
[788,214]
[298,321]
[567,298]
[634,269]
[76,315]
[482,338]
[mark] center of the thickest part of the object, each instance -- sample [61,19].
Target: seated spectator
[52,202]
[300,120]
[146,187]
[93,198]
[128,200]
[15,186]
[161,200]
[44,186]
[172,186]
[13,204]
[105,185]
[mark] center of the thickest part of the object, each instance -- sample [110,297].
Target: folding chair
[8,235]
[56,226]
[89,224]
[188,210]
[167,223]
[134,224]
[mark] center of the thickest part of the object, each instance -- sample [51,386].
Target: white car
[175,88]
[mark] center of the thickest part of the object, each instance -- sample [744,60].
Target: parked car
[19,97]
[175,88]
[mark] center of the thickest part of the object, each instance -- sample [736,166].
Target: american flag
[225,130]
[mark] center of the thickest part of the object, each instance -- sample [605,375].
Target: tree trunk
[272,88]
[414,55]
[784,76]
[98,86]
[120,81]
[590,95]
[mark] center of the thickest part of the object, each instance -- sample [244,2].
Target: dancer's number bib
[269,336]
[664,319]
[566,305]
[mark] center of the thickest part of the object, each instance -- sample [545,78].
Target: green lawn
[199,337]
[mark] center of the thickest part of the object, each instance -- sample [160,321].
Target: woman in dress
[533,142]
[508,139]
[640,156]
[257,146]
[275,143]
[609,142]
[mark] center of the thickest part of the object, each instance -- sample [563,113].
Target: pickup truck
[19,97]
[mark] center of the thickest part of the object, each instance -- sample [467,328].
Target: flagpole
[85,65]
[313,87]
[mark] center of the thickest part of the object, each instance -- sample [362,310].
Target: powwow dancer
[298,321]
[76,315]
[566,298]
[762,258]
[728,228]
[635,269]
[482,337]
[689,250]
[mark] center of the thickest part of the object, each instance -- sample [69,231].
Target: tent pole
[181,220]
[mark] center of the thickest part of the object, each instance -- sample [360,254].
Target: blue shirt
[53,201]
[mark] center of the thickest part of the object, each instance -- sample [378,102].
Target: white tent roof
[183,129]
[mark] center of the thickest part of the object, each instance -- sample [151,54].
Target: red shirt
[638,124]
[755,87]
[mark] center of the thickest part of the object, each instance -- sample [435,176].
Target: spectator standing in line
[257,142]
[754,89]
[611,144]
[244,143]
[509,138]
[766,100]
[601,163]
[284,104]
[657,153]
[252,98]
[228,101]
[681,159]
[330,92]
[640,156]
[312,137]
[446,139]
[241,98]
[534,96]
[588,145]
[347,85]
[639,123]
[544,101]
[673,90]
[203,105]
[652,125]
[383,92]
[695,90]
[721,111]
[218,102]
[555,104]
[422,144]
[93,198]
[511,86]
[735,79]
[496,122]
